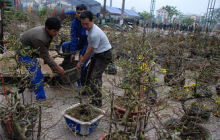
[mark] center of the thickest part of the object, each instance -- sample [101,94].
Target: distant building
[162,14]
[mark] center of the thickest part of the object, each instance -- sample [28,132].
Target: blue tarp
[113,10]
[70,12]
[131,13]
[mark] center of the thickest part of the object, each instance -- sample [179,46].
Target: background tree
[188,21]
[133,8]
[171,11]
[145,15]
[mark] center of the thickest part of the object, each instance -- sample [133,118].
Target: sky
[185,6]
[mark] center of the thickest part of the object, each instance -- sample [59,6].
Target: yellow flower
[146,80]
[136,108]
[204,106]
[144,64]
[141,68]
[182,41]
[155,79]
[148,69]
[140,57]
[193,84]
[187,89]
[191,35]
[107,68]
[186,86]
[160,88]
[119,59]
[163,70]
[154,63]
[189,106]
[215,114]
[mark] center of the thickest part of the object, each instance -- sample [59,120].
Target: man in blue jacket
[78,42]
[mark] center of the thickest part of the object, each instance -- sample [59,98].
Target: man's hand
[80,57]
[78,66]
[52,70]
[60,70]
[72,57]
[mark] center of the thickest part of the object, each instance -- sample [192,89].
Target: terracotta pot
[120,113]
[6,42]
[102,137]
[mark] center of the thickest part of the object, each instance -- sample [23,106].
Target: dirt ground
[6,63]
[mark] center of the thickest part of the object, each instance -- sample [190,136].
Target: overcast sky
[185,6]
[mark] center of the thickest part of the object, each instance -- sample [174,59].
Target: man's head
[79,9]
[87,20]
[53,26]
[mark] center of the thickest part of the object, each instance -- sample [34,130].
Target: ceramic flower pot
[83,128]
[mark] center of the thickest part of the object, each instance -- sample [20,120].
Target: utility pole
[1,28]
[152,7]
[104,9]
[122,12]
[209,14]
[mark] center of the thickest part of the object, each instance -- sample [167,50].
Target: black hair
[81,7]
[53,23]
[86,14]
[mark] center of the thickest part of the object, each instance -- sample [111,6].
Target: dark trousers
[93,75]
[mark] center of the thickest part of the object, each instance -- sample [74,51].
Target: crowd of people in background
[180,27]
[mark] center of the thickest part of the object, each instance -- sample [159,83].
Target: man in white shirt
[100,46]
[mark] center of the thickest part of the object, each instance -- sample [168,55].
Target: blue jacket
[78,37]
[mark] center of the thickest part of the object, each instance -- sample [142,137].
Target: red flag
[54,11]
[4,4]
[17,2]
[63,10]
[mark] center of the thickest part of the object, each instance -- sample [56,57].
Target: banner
[54,11]
[29,9]
[26,5]
[40,7]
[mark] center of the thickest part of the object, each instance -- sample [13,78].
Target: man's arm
[44,54]
[89,51]
[74,40]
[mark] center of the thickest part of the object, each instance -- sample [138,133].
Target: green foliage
[145,14]
[42,12]
[188,21]
[171,11]
[96,20]
[11,14]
